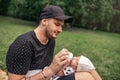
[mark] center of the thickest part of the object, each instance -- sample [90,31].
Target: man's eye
[57,24]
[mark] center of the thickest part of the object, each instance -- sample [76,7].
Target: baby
[77,64]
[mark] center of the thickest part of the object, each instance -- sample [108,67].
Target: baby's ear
[74,64]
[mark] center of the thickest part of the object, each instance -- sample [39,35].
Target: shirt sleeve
[18,57]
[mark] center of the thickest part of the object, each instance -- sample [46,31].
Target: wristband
[49,73]
[44,75]
[28,78]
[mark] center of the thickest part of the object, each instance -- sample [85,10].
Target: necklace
[44,43]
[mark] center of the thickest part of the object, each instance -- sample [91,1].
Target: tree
[4,6]
[94,14]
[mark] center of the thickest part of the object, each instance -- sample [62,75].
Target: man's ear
[44,22]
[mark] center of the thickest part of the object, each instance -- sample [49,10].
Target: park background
[94,32]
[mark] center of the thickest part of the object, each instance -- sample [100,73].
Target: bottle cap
[70,56]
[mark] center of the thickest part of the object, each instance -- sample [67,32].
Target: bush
[2,65]
[95,14]
[25,9]
[4,6]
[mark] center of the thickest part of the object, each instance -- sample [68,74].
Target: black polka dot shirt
[27,53]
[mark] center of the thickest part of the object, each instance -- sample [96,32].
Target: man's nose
[60,29]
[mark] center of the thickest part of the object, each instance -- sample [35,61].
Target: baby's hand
[60,73]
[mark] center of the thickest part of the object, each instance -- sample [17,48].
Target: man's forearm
[46,74]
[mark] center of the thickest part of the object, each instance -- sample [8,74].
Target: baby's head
[74,62]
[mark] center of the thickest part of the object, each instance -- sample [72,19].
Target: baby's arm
[60,73]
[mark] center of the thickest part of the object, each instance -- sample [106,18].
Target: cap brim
[67,19]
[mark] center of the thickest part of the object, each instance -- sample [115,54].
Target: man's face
[53,27]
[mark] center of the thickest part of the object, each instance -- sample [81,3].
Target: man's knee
[83,76]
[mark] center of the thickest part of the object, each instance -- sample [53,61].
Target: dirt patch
[3,75]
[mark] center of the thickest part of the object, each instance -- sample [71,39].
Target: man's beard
[49,35]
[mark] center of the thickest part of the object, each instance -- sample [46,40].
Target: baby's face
[74,62]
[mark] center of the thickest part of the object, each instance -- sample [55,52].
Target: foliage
[2,64]
[27,9]
[90,13]
[24,9]
[4,6]
[115,24]
[93,14]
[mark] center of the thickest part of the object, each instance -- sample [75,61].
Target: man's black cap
[51,11]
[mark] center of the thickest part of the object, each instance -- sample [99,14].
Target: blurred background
[93,14]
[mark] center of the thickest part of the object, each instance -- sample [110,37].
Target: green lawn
[102,48]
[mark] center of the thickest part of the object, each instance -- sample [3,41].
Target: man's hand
[60,61]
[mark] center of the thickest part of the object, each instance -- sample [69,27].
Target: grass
[102,48]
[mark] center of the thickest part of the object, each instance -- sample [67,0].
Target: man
[34,50]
